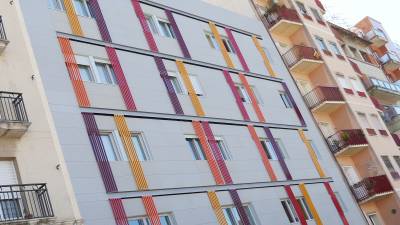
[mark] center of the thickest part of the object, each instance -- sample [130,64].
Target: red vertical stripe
[99,152]
[122,83]
[146,29]
[235,93]
[296,205]
[217,153]
[119,212]
[170,89]
[296,108]
[178,34]
[336,203]
[237,49]
[101,23]
[239,206]
[151,210]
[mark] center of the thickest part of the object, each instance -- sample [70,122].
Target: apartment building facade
[332,84]
[158,112]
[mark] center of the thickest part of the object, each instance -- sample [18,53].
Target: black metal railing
[371,186]
[3,35]
[345,138]
[298,52]
[24,202]
[12,108]
[281,13]
[322,94]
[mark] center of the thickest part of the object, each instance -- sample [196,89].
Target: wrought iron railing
[345,138]
[12,108]
[24,202]
[371,186]
[3,35]
[281,13]
[299,52]
[322,94]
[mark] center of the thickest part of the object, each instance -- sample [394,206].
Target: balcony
[372,188]
[13,118]
[302,59]
[22,203]
[390,61]
[392,118]
[383,90]
[324,99]
[376,37]
[347,142]
[320,5]
[396,139]
[283,21]
[3,37]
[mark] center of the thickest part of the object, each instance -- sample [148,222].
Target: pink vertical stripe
[122,83]
[98,15]
[99,152]
[296,205]
[336,203]
[178,34]
[146,29]
[296,108]
[239,102]
[239,206]
[217,153]
[237,49]
[118,211]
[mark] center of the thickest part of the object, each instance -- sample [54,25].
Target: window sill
[361,94]
[371,132]
[348,91]
[307,17]
[384,133]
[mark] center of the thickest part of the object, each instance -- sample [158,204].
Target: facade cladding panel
[154,107]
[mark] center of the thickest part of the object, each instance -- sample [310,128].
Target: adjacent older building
[337,72]
[146,112]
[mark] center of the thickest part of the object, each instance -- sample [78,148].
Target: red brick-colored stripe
[336,203]
[122,83]
[235,93]
[296,205]
[118,211]
[151,210]
[237,49]
[146,29]
[73,70]
[99,152]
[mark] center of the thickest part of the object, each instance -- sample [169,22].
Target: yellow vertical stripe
[264,56]
[221,45]
[312,154]
[73,18]
[217,208]
[310,204]
[134,162]
[188,84]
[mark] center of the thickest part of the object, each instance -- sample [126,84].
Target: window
[285,99]
[232,215]
[376,122]
[196,85]
[56,5]
[195,146]
[113,147]
[316,15]
[164,219]
[373,219]
[243,93]
[160,26]
[335,48]
[356,85]
[176,82]
[105,73]
[152,24]
[343,82]
[228,45]
[270,150]
[166,29]
[212,41]
[321,43]
[140,147]
[390,167]
[354,51]
[86,73]
[302,8]
[291,212]
[224,150]
[365,56]
[364,120]
[81,8]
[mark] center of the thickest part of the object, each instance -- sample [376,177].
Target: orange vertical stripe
[151,210]
[310,204]
[73,18]
[253,98]
[188,84]
[207,151]
[73,70]
[264,158]
[134,162]
[212,196]
[264,56]
[221,45]
[311,152]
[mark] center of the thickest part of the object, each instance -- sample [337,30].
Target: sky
[351,11]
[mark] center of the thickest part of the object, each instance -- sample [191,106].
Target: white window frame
[182,89]
[376,122]
[212,41]
[116,144]
[200,152]
[85,7]
[370,221]
[226,154]
[365,123]
[321,43]
[59,7]
[292,211]
[146,219]
[197,87]
[356,84]
[286,100]
[91,61]
[271,150]
[343,81]
[235,212]
[244,95]
[154,23]
[335,48]
[110,70]
[305,208]
[146,154]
